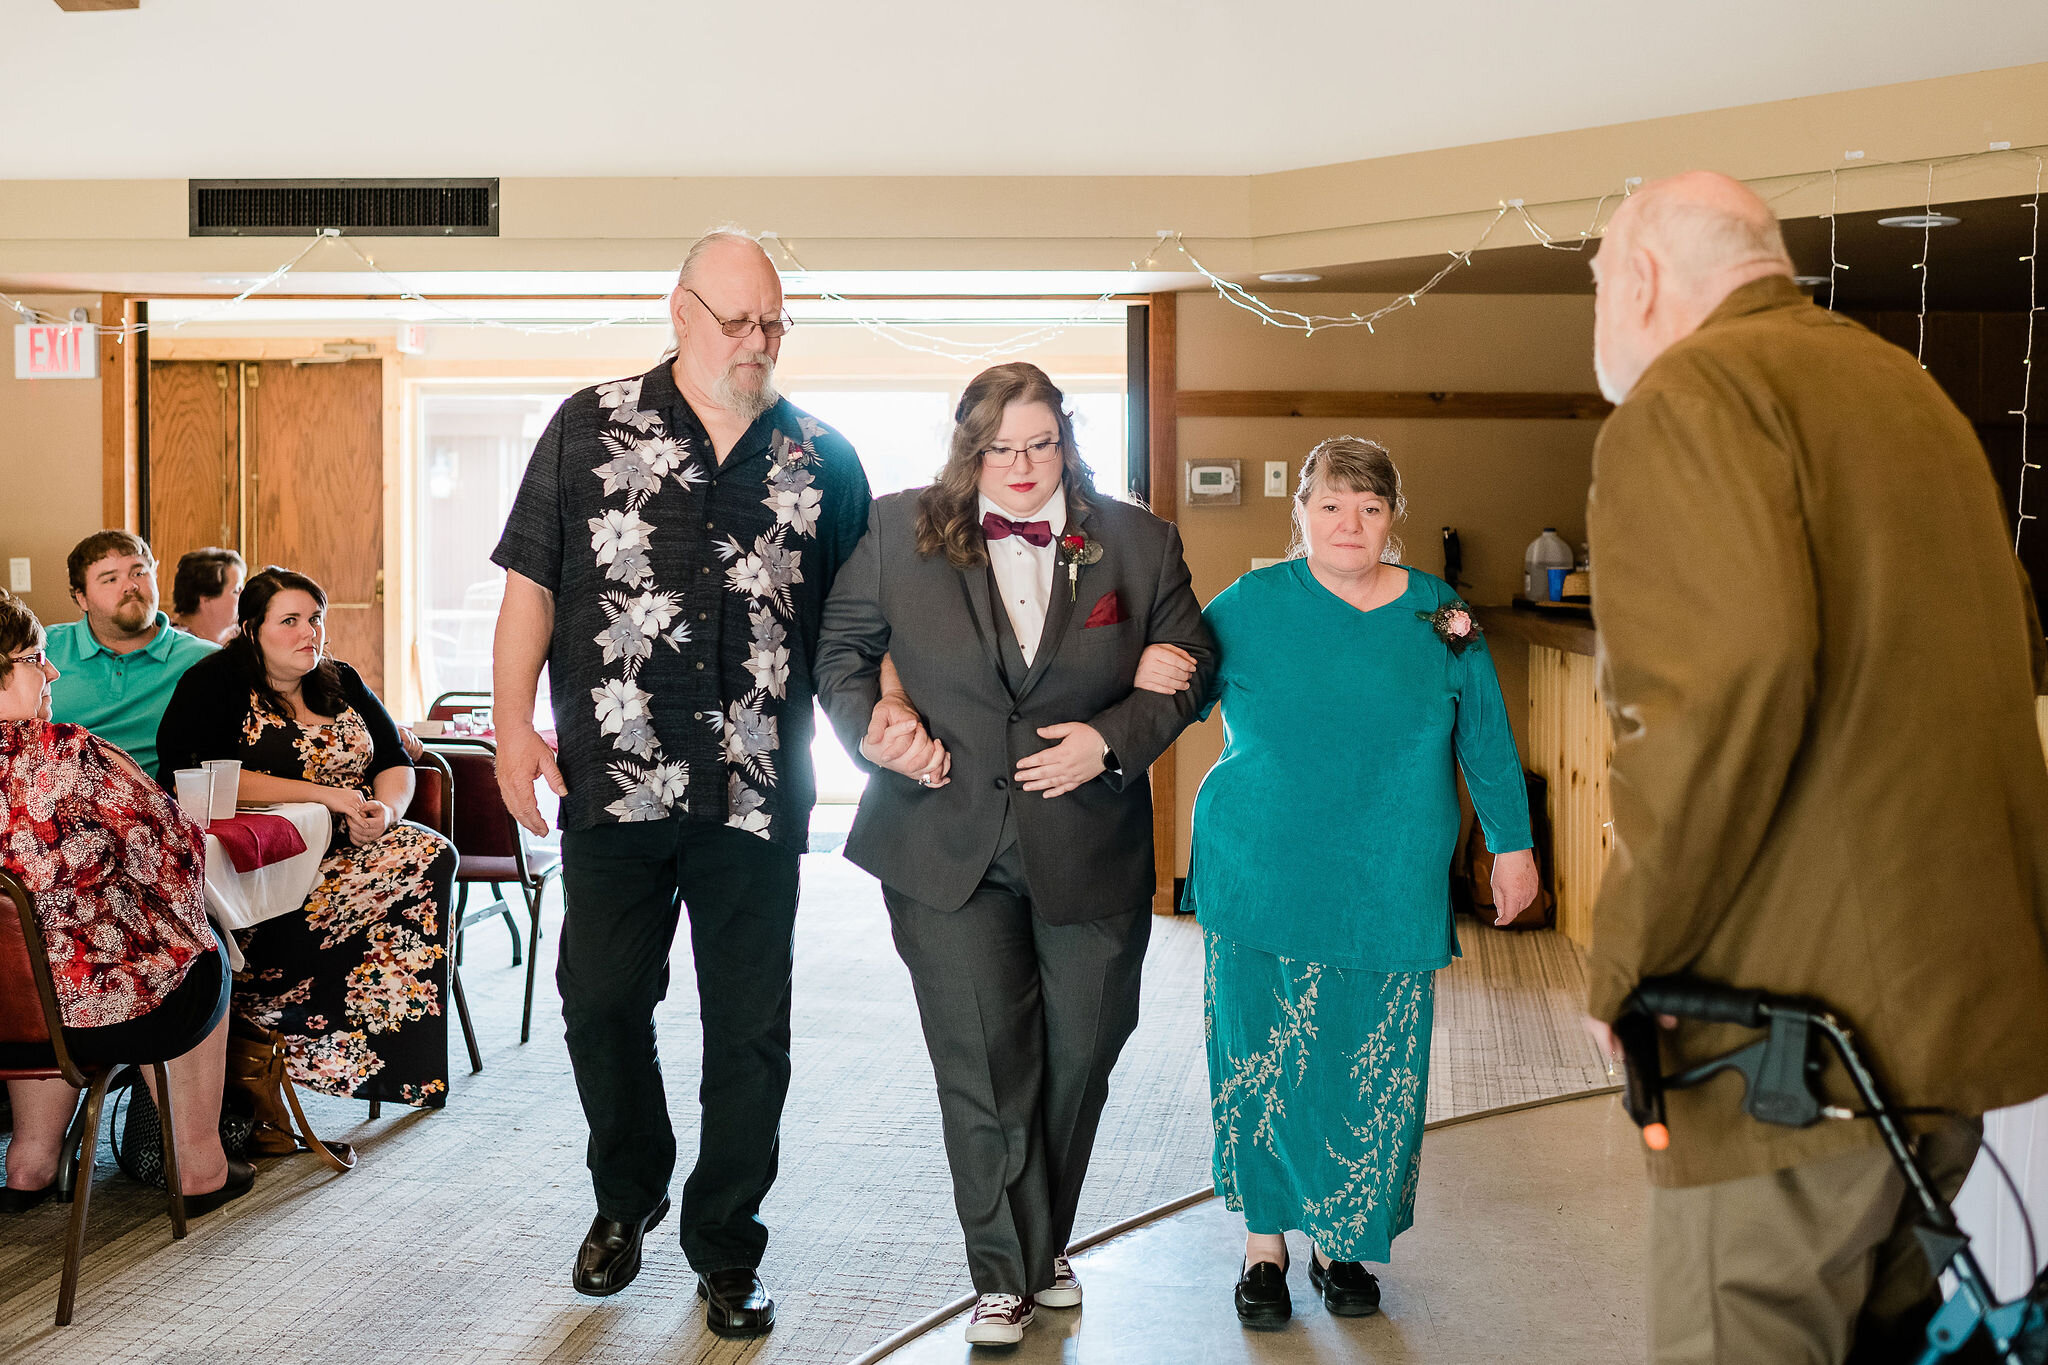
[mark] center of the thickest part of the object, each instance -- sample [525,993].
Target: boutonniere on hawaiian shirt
[1075,550]
[1453,625]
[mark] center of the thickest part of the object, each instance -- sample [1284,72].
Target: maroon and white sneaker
[999,1320]
[1066,1287]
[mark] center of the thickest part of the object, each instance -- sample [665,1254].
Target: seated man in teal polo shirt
[118,664]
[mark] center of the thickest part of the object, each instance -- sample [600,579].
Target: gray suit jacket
[1088,854]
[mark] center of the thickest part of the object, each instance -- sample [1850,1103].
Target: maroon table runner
[255,840]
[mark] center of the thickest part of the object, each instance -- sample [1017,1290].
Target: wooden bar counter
[1566,738]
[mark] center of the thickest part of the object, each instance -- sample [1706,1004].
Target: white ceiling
[217,88]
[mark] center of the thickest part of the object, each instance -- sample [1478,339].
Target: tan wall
[1498,482]
[49,469]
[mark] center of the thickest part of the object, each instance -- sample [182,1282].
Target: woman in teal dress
[1350,688]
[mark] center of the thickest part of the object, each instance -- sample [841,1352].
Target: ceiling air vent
[360,208]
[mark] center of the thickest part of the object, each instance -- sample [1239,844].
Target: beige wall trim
[1379,209]
[1570,407]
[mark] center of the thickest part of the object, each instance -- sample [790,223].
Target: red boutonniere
[1075,550]
[1453,625]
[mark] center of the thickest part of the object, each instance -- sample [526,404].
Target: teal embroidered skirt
[1317,1080]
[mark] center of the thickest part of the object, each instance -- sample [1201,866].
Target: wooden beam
[89,6]
[1569,407]
[1162,333]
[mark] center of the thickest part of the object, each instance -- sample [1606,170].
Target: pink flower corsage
[1453,625]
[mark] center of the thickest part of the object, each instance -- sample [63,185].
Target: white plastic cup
[227,785]
[195,793]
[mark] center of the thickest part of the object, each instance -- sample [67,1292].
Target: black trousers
[1024,1021]
[624,887]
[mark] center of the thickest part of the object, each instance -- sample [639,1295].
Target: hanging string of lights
[926,342]
[2021,516]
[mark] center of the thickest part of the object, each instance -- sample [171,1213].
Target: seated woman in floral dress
[118,875]
[358,982]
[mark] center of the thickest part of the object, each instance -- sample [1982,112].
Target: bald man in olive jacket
[1821,659]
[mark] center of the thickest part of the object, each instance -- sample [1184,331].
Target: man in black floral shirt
[668,558]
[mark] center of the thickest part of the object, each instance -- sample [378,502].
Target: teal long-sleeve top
[1325,831]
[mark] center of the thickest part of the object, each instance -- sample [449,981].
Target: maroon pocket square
[1109,611]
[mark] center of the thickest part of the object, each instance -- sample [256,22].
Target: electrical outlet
[17,575]
[1276,478]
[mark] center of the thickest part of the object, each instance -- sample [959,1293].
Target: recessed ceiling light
[1809,281]
[1919,220]
[1290,277]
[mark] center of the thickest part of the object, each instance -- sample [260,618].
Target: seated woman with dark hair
[118,875]
[356,982]
[204,592]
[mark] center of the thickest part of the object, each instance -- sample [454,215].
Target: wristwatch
[1109,759]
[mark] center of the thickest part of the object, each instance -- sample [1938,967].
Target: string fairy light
[1834,263]
[1926,245]
[914,339]
[1308,324]
[122,331]
[2021,516]
[932,343]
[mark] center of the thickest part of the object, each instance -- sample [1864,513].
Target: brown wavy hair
[948,521]
[321,688]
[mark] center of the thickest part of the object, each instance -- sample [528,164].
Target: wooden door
[194,461]
[316,492]
[284,463]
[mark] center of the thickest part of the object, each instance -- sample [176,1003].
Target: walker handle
[1689,998]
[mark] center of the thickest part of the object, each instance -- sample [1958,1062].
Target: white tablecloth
[237,900]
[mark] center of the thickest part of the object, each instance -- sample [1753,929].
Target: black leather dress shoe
[21,1201]
[735,1303]
[610,1255]
[241,1178]
[1348,1288]
[1262,1297]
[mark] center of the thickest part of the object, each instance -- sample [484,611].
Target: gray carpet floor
[451,1241]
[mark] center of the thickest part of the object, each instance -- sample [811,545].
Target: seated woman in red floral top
[357,982]
[112,861]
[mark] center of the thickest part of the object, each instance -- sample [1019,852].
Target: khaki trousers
[1778,1269]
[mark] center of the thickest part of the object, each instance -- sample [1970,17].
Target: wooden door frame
[1163,461]
[121,425]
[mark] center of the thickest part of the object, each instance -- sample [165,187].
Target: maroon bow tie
[996,526]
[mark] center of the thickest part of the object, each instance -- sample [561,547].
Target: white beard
[739,400]
[1609,389]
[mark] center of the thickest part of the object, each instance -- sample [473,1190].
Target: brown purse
[256,1076]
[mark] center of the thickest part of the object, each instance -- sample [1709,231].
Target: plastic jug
[1548,551]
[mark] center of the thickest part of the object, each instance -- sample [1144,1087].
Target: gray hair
[1357,466]
[716,237]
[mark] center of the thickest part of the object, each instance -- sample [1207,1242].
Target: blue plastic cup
[1557,584]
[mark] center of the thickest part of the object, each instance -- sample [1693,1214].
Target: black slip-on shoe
[21,1201]
[1348,1288]
[610,1255]
[1262,1298]
[736,1304]
[241,1179]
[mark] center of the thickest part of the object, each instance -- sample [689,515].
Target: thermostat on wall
[1214,484]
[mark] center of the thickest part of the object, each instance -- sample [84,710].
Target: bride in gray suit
[1009,817]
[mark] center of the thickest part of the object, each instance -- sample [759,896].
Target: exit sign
[56,351]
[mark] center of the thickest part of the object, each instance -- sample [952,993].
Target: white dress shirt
[1024,571]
